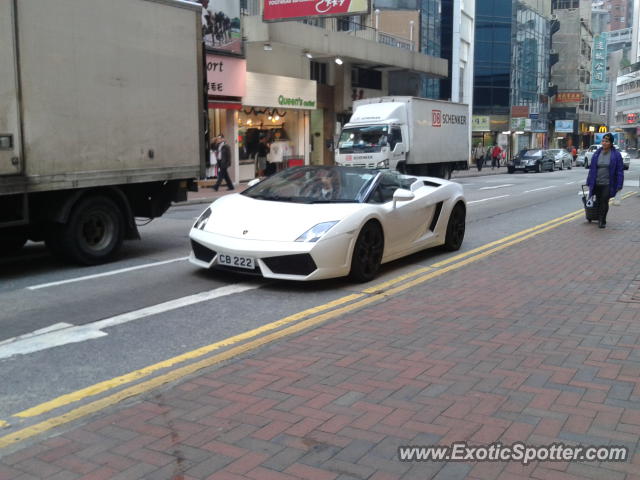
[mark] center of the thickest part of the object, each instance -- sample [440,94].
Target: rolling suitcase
[590,212]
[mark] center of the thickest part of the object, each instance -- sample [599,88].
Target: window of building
[366,78]
[318,72]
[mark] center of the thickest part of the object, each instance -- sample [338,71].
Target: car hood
[243,217]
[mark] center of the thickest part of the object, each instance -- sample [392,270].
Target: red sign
[568,97]
[520,111]
[286,9]
[436,118]
[632,117]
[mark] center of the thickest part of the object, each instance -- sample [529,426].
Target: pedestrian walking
[263,153]
[487,155]
[224,162]
[478,155]
[606,176]
[496,152]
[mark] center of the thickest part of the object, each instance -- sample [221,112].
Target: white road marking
[498,186]
[570,183]
[487,199]
[538,189]
[105,274]
[64,333]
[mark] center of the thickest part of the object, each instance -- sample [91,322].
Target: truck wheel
[455,228]
[402,167]
[94,233]
[367,253]
[12,241]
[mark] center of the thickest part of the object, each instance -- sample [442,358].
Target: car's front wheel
[367,253]
[455,228]
[539,167]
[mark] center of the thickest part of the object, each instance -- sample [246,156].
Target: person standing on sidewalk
[224,162]
[606,176]
[478,155]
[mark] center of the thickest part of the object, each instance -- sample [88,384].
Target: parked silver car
[562,158]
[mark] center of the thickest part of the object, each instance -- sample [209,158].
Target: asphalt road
[152,305]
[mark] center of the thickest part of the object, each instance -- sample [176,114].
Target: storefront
[277,109]
[226,86]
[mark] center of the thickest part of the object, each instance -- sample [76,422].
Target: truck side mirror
[398,147]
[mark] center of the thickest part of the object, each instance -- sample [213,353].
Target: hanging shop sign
[226,76]
[522,124]
[568,97]
[564,126]
[277,10]
[519,111]
[275,91]
[599,66]
[480,123]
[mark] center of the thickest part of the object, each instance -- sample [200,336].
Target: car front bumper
[302,261]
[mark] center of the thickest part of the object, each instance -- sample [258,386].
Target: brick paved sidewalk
[551,356]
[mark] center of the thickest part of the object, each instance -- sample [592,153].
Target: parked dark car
[536,160]
[562,158]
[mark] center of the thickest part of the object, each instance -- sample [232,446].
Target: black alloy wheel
[455,228]
[539,167]
[367,253]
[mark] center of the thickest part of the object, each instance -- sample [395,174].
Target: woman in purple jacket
[605,176]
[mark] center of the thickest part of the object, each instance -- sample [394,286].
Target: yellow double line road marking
[305,319]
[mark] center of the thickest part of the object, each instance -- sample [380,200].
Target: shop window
[365,78]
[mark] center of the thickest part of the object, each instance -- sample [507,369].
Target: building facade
[511,74]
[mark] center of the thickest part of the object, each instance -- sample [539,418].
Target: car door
[402,223]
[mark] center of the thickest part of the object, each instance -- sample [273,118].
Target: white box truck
[413,135]
[101,119]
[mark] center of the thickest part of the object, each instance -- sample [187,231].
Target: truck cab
[371,146]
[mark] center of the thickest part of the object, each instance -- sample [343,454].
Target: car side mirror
[402,195]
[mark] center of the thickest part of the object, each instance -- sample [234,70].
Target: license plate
[521,166]
[236,261]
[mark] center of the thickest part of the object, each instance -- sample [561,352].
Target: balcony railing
[342,25]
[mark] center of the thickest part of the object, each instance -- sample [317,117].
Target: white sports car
[311,223]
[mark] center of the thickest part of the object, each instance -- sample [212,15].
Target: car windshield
[315,184]
[532,153]
[369,138]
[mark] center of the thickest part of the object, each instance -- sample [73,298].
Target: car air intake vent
[436,216]
[201,252]
[301,264]
[427,183]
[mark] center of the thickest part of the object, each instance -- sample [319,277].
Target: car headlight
[316,232]
[203,219]
[383,164]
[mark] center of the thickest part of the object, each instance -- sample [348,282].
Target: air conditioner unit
[550,84]
[554,16]
[552,52]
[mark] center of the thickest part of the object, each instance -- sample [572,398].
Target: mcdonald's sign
[602,129]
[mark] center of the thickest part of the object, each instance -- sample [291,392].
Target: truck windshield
[369,138]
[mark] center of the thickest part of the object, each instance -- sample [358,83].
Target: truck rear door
[10,148]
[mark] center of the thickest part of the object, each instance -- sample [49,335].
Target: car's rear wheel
[455,228]
[367,253]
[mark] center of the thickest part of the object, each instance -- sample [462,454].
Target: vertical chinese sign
[599,66]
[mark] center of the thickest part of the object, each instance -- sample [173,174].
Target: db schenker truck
[414,135]
[101,119]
